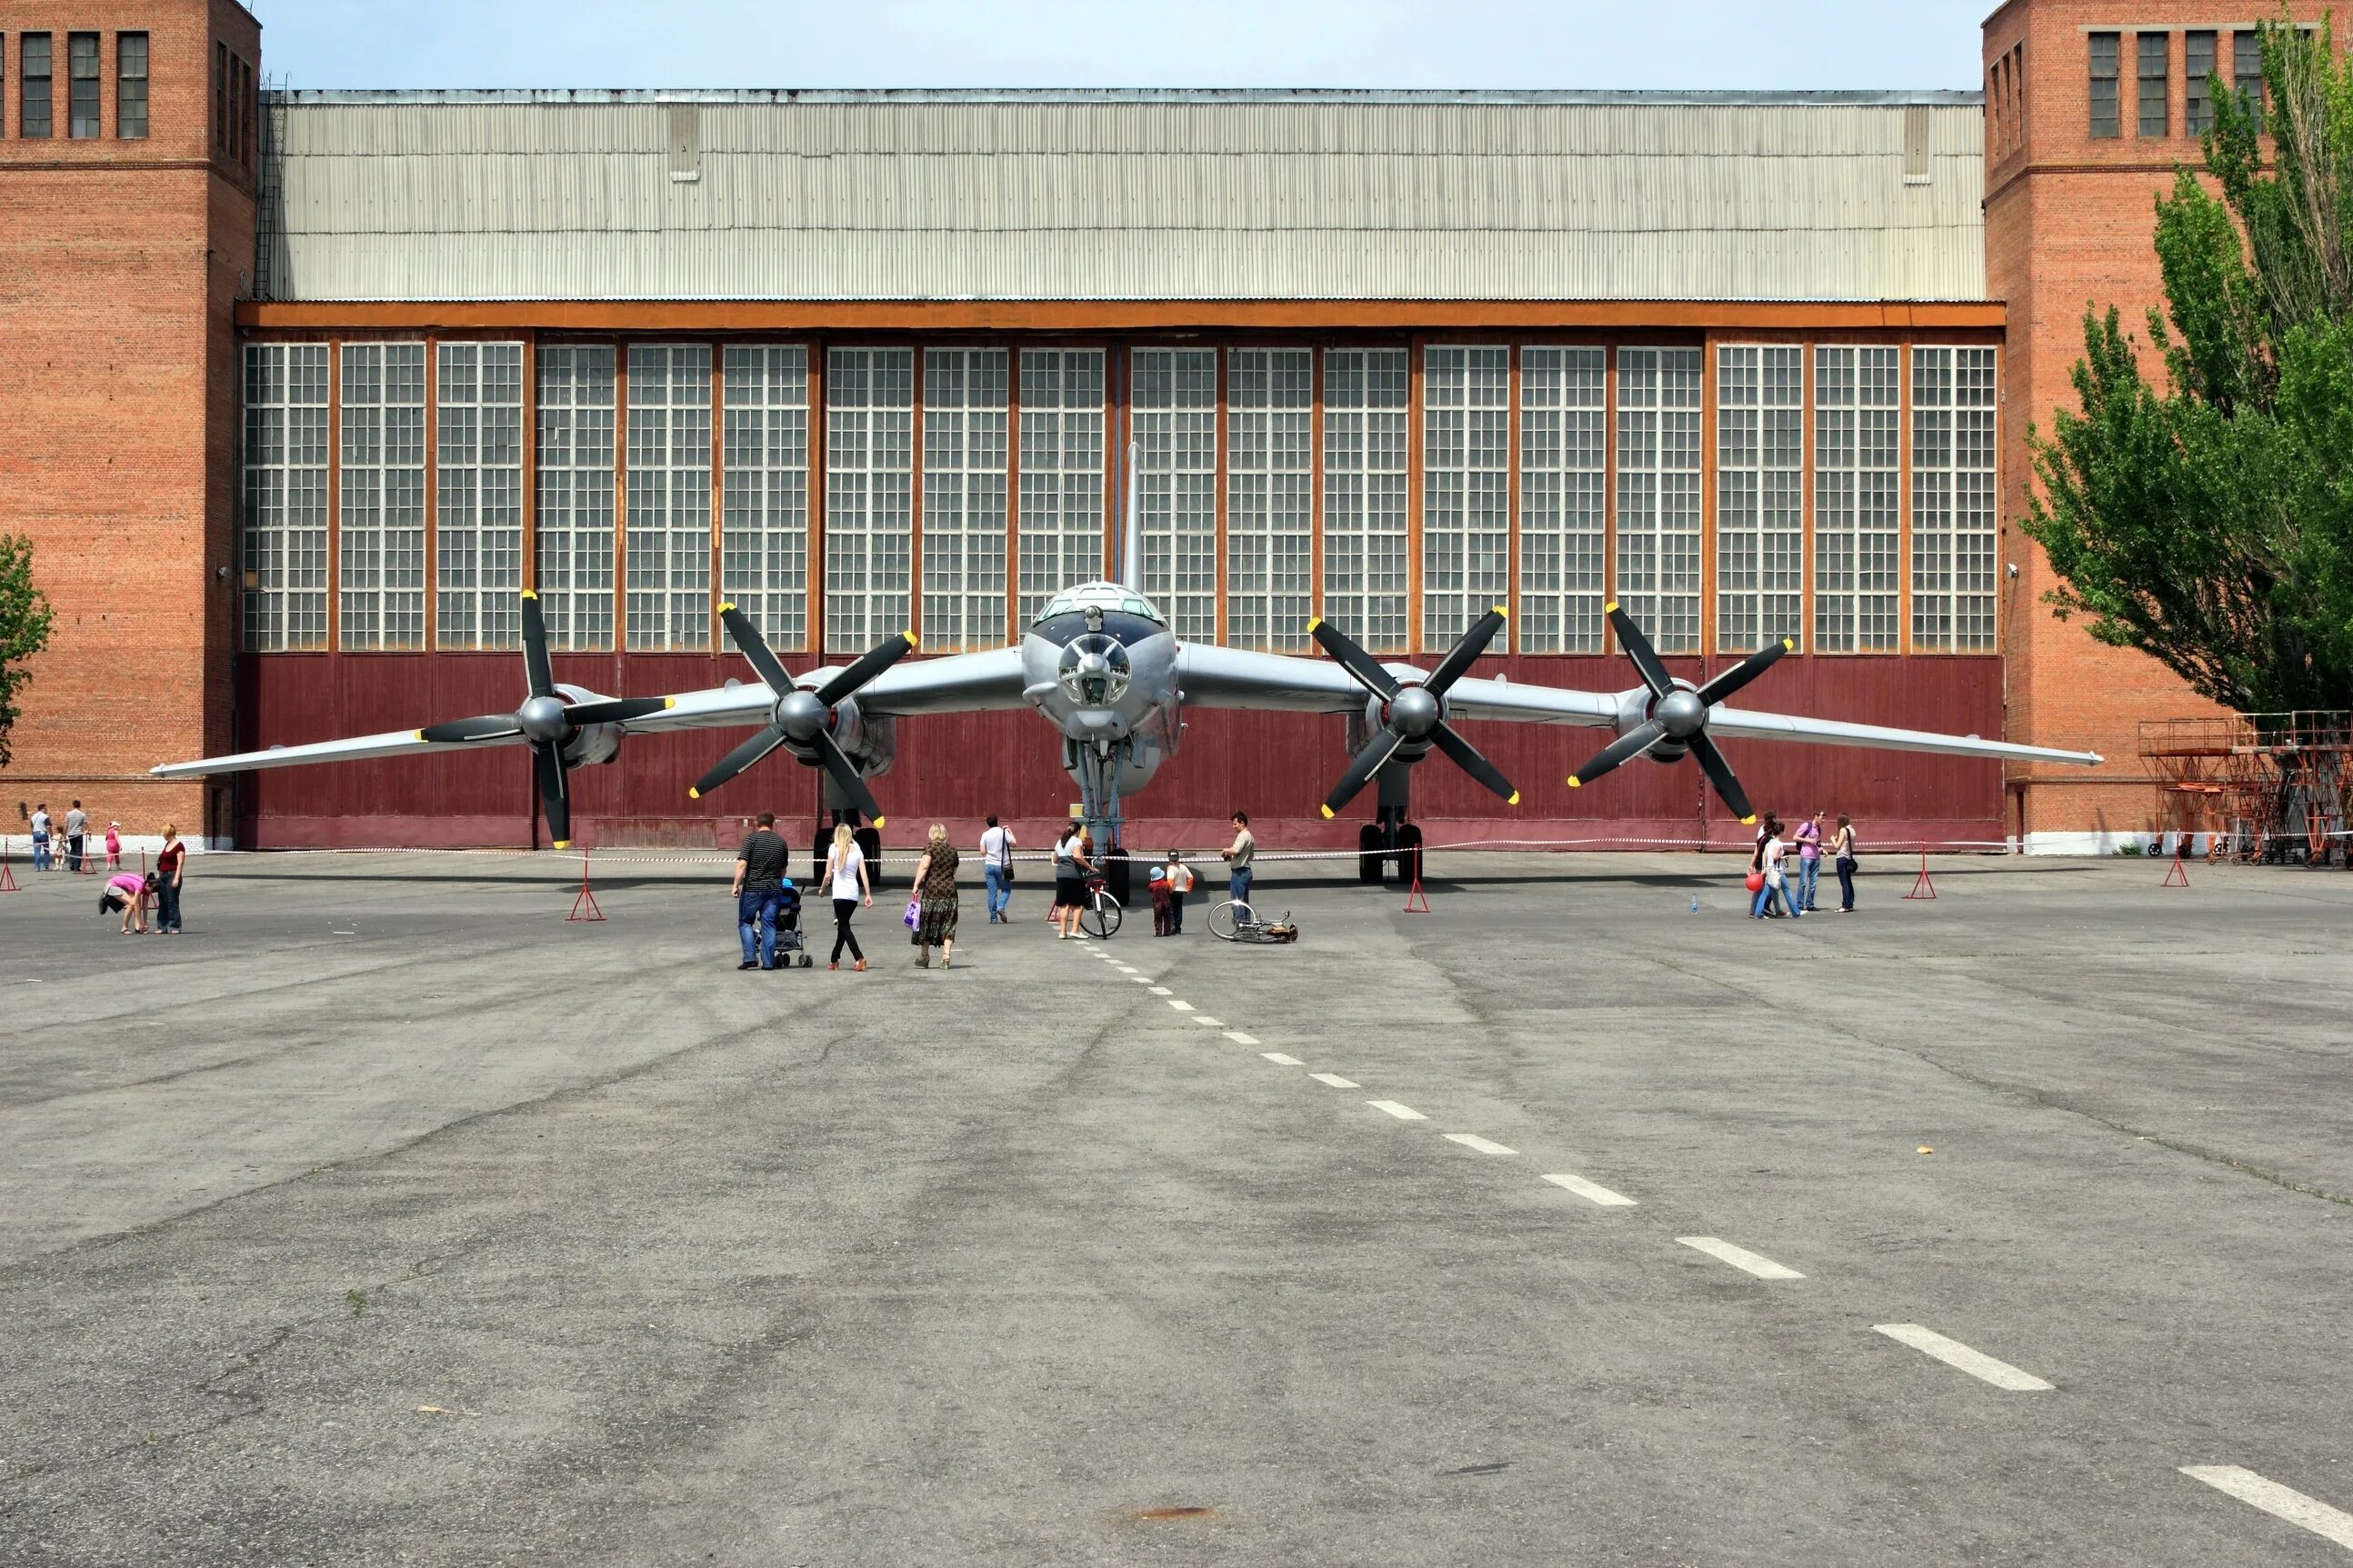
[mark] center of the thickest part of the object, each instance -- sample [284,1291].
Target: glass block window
[1176,427]
[1857,509]
[666,540]
[575,567]
[1270,500]
[1658,494]
[1760,520]
[964,498]
[1466,524]
[1061,473]
[1563,459]
[870,429]
[764,489]
[283,538]
[380,530]
[1366,405]
[1952,498]
[477,497]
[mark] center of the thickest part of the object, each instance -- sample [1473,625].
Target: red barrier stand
[7,882]
[586,900]
[2176,877]
[1417,902]
[1923,887]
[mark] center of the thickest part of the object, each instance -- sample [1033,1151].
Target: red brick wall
[2069,222]
[120,262]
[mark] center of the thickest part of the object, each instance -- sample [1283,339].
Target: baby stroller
[788,929]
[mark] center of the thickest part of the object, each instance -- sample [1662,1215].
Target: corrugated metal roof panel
[1098,196]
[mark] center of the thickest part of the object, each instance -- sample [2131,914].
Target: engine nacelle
[1634,708]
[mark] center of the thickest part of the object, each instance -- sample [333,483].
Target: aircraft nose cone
[1413,712]
[800,715]
[542,720]
[1682,712]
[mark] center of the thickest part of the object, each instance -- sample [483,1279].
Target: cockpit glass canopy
[1108,597]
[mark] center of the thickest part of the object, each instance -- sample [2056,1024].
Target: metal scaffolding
[2274,788]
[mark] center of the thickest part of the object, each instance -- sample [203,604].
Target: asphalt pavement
[386,1216]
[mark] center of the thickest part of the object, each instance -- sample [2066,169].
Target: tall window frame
[965,524]
[1658,469]
[1563,497]
[1466,515]
[36,86]
[1858,505]
[131,63]
[573,550]
[478,496]
[1174,401]
[85,116]
[1062,488]
[667,532]
[282,539]
[1269,497]
[1954,457]
[380,516]
[2152,84]
[2198,63]
[1367,494]
[2104,101]
[763,489]
[870,476]
[2247,70]
[1760,515]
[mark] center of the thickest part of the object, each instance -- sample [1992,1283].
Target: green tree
[24,629]
[2207,518]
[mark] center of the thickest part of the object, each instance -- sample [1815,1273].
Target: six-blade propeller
[1411,713]
[546,722]
[1678,714]
[801,717]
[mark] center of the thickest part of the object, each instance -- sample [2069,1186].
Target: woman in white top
[845,878]
[997,870]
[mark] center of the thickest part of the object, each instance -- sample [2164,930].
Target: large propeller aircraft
[1101,663]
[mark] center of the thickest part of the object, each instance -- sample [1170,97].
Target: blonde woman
[845,878]
[169,866]
[935,900]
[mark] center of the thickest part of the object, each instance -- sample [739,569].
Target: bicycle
[1227,925]
[1100,916]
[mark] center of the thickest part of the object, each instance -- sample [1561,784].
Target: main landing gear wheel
[1369,861]
[1101,917]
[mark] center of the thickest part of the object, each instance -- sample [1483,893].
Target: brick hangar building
[299,390]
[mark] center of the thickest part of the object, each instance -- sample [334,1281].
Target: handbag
[1005,873]
[914,913]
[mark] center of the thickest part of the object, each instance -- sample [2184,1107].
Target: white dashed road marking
[1239,1039]
[1335,1081]
[1160,991]
[1180,1005]
[1138,980]
[1952,1352]
[1124,968]
[1741,1257]
[1402,1113]
[2280,1503]
[1279,1059]
[1592,1191]
[1485,1145]
[1212,1023]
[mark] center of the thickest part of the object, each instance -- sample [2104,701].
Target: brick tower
[2091,105]
[130,147]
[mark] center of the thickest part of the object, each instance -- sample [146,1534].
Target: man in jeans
[997,869]
[759,891]
[1238,858]
[77,835]
[1810,864]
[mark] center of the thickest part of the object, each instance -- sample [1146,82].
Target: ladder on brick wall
[270,200]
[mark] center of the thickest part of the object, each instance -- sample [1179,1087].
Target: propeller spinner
[1678,714]
[802,717]
[1412,713]
[545,721]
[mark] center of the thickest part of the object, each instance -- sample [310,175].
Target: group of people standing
[75,831]
[131,894]
[1771,880]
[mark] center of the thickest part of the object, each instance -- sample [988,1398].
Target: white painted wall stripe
[1591,1191]
[1739,1258]
[1402,1113]
[2279,1501]
[1952,1352]
[1485,1145]
[1239,1039]
[1335,1081]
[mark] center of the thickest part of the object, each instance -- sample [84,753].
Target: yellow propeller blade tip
[528,595]
[913,641]
[724,609]
[420,734]
[1748,821]
[1326,811]
[1514,800]
[1313,623]
[1611,608]
[695,794]
[1502,612]
[1788,645]
[1576,782]
[669,701]
[881,820]
[562,843]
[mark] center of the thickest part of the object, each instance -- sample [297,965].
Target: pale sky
[1833,43]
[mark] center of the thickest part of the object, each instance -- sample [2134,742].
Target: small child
[114,846]
[1159,900]
[1180,878]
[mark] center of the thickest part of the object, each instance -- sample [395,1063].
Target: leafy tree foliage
[24,629]
[2206,517]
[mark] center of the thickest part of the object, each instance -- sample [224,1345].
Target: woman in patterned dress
[935,900]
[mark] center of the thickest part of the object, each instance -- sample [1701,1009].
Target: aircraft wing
[1232,678]
[957,683]
[392,743]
